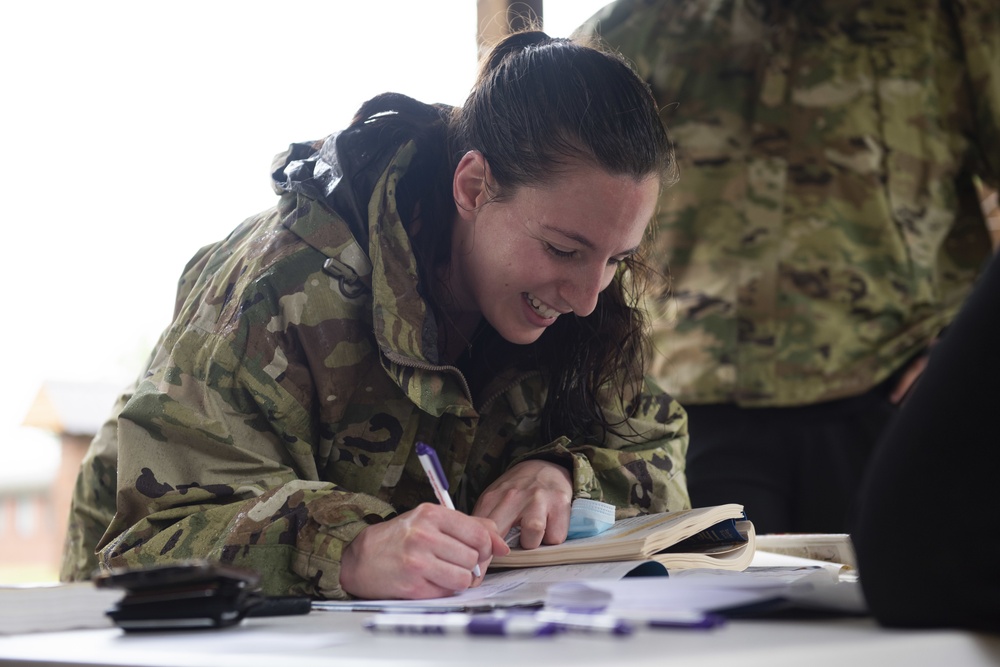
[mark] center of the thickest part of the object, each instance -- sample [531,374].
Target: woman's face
[545,251]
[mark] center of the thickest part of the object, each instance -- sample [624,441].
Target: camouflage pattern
[92,505]
[825,227]
[278,415]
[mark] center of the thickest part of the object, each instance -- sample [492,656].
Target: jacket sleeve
[92,505]
[215,462]
[639,469]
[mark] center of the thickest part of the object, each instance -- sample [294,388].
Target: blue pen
[435,473]
[470,624]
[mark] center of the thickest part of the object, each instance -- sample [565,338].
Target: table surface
[338,638]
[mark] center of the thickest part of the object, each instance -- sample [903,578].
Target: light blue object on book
[586,519]
[589,517]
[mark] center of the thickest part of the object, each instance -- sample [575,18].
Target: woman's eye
[559,252]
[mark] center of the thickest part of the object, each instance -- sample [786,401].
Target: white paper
[509,588]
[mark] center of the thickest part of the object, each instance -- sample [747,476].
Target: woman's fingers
[430,551]
[534,495]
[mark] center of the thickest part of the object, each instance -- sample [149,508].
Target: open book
[717,537]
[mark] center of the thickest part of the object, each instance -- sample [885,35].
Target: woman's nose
[581,290]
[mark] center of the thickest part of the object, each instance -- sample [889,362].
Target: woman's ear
[469,186]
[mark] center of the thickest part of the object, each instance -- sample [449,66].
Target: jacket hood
[350,197]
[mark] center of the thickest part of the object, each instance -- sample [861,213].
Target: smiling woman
[312,348]
[134,132]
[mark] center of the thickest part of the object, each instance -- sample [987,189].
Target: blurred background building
[35,488]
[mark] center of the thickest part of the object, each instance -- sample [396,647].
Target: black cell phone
[191,594]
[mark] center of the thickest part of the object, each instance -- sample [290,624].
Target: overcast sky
[136,132]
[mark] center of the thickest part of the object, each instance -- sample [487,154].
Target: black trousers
[793,469]
[927,531]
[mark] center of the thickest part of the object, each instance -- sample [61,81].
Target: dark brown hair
[539,102]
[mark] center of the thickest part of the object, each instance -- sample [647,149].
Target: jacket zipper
[413,363]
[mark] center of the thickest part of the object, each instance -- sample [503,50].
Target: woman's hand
[427,552]
[533,494]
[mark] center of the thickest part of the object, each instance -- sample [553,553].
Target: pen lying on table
[615,624]
[532,624]
[515,625]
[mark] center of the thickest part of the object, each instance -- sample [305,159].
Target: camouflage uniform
[279,412]
[826,225]
[825,229]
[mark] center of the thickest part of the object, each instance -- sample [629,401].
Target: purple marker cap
[424,449]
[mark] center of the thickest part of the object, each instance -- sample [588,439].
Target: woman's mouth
[540,307]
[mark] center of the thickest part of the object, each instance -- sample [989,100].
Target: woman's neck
[457,334]
[458,324]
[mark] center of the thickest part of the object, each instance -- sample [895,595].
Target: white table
[337,638]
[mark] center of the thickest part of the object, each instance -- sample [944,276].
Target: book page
[629,539]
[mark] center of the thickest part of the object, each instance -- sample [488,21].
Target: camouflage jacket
[278,415]
[826,225]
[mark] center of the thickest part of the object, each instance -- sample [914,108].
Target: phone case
[194,594]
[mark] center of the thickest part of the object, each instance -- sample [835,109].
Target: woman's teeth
[539,307]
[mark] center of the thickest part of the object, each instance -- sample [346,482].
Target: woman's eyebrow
[583,240]
[570,234]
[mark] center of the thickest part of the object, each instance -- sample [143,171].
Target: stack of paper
[835,548]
